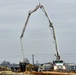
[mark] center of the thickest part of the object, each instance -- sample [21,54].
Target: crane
[50,24]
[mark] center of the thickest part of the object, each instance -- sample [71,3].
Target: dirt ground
[34,73]
[58,73]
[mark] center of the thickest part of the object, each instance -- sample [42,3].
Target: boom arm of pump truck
[50,24]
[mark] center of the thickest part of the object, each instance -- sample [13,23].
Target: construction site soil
[35,73]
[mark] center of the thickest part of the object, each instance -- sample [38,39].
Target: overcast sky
[38,38]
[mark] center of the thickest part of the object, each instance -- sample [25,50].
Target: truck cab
[58,65]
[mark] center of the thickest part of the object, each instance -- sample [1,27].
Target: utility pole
[33,59]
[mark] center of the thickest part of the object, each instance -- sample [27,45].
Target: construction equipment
[50,24]
[58,65]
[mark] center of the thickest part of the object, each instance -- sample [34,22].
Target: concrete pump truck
[58,64]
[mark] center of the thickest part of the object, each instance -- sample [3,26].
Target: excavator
[57,55]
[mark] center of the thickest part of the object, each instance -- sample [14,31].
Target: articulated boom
[50,24]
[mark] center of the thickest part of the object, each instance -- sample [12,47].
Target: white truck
[58,65]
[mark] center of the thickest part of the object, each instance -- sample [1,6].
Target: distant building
[70,67]
[11,66]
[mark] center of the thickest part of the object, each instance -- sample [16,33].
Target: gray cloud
[38,36]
